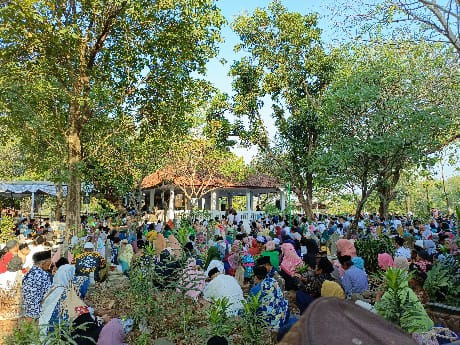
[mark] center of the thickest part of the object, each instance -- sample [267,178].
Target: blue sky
[330,12]
[217,73]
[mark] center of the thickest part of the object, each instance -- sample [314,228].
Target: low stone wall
[451,321]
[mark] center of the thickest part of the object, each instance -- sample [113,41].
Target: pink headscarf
[112,334]
[290,259]
[346,247]
[385,261]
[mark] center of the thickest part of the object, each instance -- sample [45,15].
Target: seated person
[222,286]
[271,270]
[311,287]
[89,261]
[260,272]
[354,280]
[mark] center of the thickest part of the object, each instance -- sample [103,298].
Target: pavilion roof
[28,187]
[166,176]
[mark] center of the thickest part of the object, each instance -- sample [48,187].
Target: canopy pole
[32,206]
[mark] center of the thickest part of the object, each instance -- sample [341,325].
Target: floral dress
[88,262]
[274,307]
[35,285]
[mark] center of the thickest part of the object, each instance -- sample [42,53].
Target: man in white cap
[89,261]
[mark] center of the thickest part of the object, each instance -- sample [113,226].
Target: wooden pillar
[152,200]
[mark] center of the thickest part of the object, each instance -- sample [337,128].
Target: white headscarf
[61,282]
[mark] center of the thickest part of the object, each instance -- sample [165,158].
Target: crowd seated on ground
[287,265]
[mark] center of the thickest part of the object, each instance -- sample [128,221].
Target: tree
[441,17]
[286,62]
[426,20]
[386,107]
[100,59]
[197,167]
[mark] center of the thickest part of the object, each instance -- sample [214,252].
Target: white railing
[245,216]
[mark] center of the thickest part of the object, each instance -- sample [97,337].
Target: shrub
[6,229]
[400,305]
[370,248]
[443,282]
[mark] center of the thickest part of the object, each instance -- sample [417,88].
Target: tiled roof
[167,176]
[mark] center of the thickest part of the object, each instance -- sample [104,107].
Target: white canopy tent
[22,188]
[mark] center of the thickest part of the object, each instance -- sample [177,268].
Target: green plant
[149,250]
[28,333]
[182,234]
[6,229]
[443,282]
[302,269]
[218,318]
[253,325]
[370,248]
[400,305]
[271,209]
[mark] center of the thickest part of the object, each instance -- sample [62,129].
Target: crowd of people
[285,264]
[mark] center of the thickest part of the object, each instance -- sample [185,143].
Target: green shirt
[274,257]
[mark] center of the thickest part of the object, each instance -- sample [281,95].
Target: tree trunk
[306,197]
[428,201]
[386,195]
[59,202]
[386,190]
[139,203]
[444,188]
[73,207]
[354,225]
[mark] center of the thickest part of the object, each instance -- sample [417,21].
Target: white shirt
[7,280]
[225,286]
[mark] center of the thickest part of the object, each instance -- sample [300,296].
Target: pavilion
[162,192]
[19,189]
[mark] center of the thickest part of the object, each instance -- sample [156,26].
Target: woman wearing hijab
[430,247]
[160,244]
[332,289]
[270,251]
[422,261]
[192,280]
[125,256]
[311,288]
[213,260]
[289,264]
[401,263]
[62,303]
[312,252]
[385,261]
[175,246]
[113,333]
[290,260]
[346,247]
